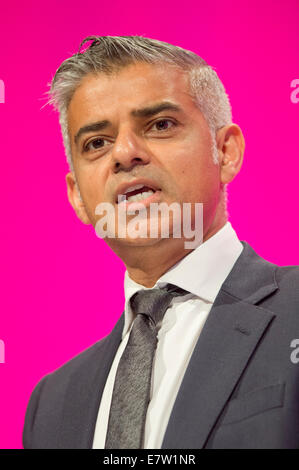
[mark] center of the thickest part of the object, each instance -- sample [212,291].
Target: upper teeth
[133,188]
[140,196]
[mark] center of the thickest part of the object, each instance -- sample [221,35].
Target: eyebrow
[155,109]
[148,111]
[95,126]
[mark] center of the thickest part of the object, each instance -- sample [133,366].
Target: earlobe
[74,198]
[231,144]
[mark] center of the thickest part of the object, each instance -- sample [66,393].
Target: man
[201,357]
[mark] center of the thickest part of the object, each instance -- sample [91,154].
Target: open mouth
[136,193]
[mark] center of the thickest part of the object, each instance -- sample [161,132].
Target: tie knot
[154,302]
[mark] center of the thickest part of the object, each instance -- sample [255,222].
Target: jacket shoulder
[49,391]
[288,277]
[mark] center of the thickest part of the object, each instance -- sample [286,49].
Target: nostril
[130,164]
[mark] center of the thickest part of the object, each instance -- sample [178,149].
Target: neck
[147,263]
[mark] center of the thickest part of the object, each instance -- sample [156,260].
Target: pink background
[55,273]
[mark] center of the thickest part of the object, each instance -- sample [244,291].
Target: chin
[137,241]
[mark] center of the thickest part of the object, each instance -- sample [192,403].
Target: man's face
[144,128]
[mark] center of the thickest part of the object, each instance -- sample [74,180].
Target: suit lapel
[84,392]
[229,337]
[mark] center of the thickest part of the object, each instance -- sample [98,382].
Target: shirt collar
[202,272]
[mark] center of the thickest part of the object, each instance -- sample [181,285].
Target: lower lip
[139,205]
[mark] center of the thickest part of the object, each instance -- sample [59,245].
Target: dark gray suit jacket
[240,390]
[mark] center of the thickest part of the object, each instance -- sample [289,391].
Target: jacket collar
[259,282]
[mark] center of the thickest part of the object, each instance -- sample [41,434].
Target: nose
[128,151]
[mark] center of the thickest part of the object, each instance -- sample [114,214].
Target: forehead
[129,88]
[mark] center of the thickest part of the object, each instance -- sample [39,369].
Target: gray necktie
[131,392]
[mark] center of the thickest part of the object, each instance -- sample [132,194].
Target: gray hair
[107,54]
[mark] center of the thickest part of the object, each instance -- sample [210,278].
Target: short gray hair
[107,54]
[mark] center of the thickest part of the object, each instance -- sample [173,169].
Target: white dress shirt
[201,272]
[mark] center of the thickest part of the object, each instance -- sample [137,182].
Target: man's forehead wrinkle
[90,85]
[91,81]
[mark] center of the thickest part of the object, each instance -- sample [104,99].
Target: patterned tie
[131,392]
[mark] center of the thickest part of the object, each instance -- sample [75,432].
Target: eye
[95,144]
[163,125]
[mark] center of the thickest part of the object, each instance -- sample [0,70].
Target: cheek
[197,179]
[92,187]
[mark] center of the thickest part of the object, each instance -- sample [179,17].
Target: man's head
[133,108]
[108,54]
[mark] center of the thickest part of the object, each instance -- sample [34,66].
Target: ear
[75,199]
[231,146]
